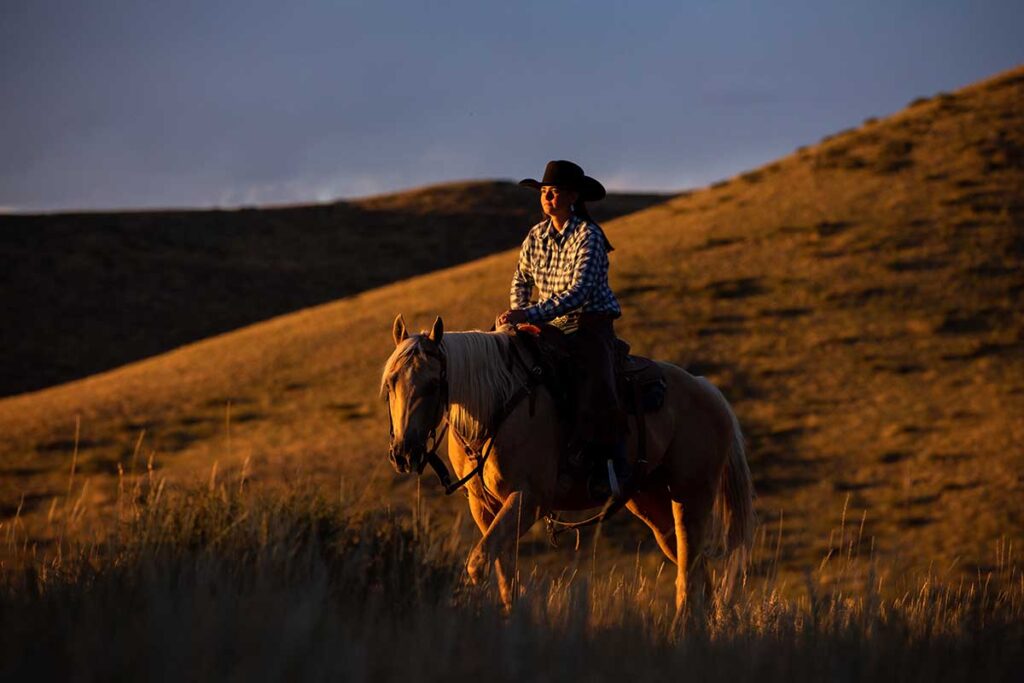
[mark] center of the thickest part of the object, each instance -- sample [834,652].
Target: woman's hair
[579,207]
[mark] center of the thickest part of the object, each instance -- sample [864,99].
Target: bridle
[436,434]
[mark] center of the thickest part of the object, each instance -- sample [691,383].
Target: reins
[533,379]
[556,527]
[481,455]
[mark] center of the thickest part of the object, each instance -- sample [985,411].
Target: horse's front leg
[483,515]
[516,516]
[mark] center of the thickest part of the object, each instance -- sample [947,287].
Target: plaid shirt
[570,271]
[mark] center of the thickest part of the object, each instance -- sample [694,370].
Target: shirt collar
[549,229]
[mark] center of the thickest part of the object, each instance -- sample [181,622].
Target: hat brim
[590,190]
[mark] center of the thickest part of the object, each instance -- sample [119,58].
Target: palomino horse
[697,497]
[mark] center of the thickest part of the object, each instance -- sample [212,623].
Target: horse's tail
[734,518]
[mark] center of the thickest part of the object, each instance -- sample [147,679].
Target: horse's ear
[437,331]
[398,331]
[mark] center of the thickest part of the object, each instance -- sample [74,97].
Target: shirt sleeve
[590,263]
[522,279]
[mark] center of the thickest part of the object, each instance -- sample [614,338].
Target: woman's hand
[512,317]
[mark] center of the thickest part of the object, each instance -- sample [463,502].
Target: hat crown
[562,173]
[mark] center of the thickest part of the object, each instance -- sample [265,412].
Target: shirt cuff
[533,314]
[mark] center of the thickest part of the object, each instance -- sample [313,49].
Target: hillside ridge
[858,301]
[86,292]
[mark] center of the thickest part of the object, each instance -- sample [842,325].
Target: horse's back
[683,389]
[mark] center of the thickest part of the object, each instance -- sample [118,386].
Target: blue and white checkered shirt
[570,271]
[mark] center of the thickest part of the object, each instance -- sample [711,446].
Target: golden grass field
[858,301]
[226,583]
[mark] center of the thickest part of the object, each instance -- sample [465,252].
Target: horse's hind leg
[698,513]
[654,507]
[702,589]
[682,561]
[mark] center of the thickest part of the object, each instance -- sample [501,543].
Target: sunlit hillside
[859,301]
[87,292]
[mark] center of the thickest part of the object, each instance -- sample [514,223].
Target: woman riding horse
[505,439]
[504,435]
[566,258]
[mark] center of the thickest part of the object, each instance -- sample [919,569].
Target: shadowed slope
[86,292]
[859,302]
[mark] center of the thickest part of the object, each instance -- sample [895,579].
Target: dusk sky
[197,104]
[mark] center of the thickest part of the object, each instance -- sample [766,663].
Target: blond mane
[479,381]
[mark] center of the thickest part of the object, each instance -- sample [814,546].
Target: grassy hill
[859,301]
[83,293]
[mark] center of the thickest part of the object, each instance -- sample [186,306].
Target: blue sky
[144,104]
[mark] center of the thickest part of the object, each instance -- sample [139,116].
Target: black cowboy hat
[563,173]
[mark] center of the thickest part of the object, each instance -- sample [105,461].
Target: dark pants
[600,420]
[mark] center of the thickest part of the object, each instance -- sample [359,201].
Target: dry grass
[864,318]
[220,583]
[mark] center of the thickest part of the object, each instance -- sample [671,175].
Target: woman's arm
[522,278]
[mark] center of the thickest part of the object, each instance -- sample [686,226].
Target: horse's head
[415,385]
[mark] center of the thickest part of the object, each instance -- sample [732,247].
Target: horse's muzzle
[406,459]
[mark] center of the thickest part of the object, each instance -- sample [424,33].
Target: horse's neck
[479,382]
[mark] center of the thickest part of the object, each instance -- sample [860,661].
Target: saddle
[640,381]
[640,385]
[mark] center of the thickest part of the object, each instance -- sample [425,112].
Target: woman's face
[557,201]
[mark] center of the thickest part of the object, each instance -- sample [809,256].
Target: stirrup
[613,481]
